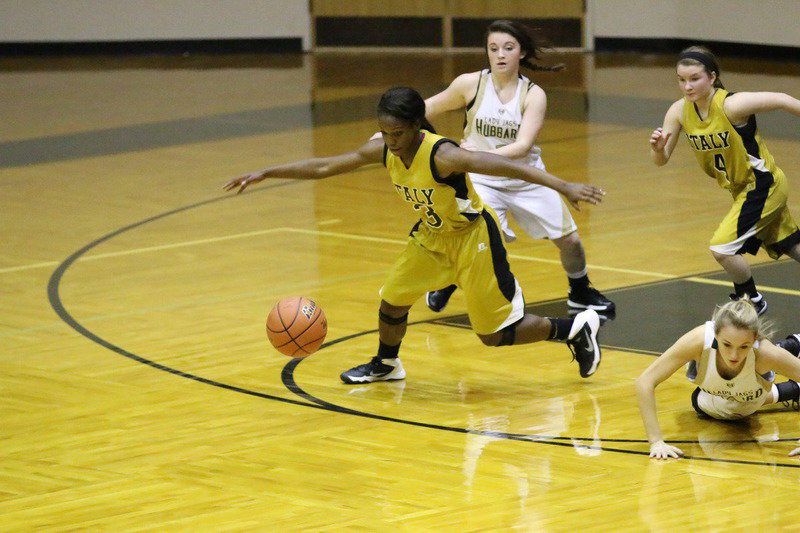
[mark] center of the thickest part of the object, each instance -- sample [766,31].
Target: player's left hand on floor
[662,450]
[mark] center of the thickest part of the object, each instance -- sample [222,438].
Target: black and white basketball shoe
[590,298]
[437,300]
[759,302]
[386,369]
[791,344]
[582,341]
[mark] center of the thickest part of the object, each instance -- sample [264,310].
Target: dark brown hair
[702,57]
[529,40]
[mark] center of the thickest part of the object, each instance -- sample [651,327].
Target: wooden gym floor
[138,390]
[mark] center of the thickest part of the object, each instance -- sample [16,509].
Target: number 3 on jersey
[431,218]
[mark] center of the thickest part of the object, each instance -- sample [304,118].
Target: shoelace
[569,345]
[368,366]
[792,404]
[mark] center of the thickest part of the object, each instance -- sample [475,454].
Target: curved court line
[287,375]
[53,294]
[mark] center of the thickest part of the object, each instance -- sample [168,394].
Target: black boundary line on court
[287,374]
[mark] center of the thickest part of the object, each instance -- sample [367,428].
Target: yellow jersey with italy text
[735,156]
[444,204]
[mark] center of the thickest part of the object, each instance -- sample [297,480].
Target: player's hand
[582,192]
[467,145]
[658,139]
[662,450]
[243,181]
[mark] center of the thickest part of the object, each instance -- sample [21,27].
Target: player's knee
[493,339]
[568,241]
[393,310]
[393,314]
[504,337]
[718,256]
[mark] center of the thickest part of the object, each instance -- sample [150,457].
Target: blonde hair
[741,314]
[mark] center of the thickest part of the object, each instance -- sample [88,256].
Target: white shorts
[724,409]
[538,210]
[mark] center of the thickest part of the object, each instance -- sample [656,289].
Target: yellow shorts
[473,258]
[759,217]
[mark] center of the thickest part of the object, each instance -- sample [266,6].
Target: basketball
[296,327]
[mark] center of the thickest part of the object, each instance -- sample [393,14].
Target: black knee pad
[392,321]
[509,334]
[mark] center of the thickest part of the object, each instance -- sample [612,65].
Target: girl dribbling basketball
[456,240]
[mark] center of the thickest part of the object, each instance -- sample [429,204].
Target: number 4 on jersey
[719,164]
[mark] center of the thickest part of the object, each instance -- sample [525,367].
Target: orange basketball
[296,327]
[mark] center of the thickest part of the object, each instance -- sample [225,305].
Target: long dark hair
[531,42]
[703,57]
[405,104]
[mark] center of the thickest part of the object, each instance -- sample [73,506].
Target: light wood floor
[137,387]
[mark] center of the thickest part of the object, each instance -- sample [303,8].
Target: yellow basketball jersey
[735,156]
[444,204]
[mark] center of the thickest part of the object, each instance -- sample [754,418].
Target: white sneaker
[582,341]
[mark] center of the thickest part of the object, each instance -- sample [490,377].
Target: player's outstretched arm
[739,106]
[450,159]
[684,350]
[663,139]
[316,168]
[452,98]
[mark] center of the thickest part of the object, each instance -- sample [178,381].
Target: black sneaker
[590,298]
[582,341]
[759,302]
[791,344]
[390,369]
[791,404]
[437,300]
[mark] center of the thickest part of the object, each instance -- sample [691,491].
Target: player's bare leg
[741,274]
[581,293]
[580,334]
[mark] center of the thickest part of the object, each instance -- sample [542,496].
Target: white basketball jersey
[747,386]
[491,124]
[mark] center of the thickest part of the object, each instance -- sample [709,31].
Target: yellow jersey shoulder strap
[456,180]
